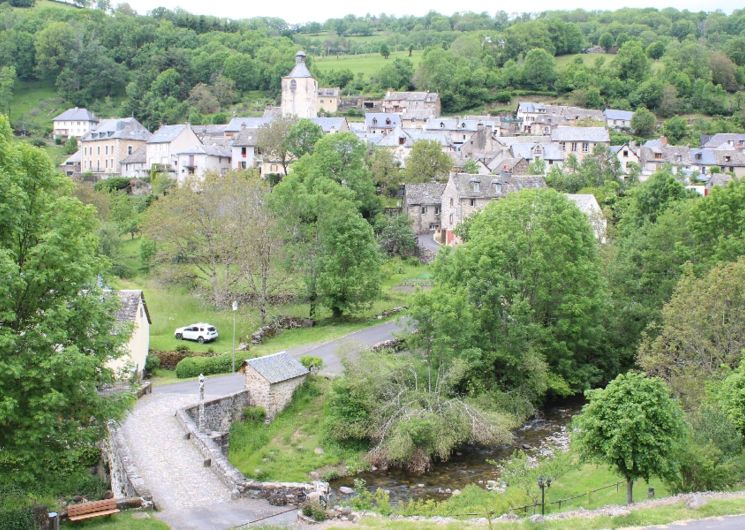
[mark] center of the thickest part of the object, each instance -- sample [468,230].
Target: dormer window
[727,158]
[698,156]
[497,187]
[442,125]
[401,140]
[375,121]
[387,121]
[475,186]
[463,125]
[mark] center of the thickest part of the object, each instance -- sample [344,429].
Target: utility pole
[235,309]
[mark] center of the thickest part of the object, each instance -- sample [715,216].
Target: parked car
[199,332]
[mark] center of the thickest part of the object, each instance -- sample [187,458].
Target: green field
[367,64]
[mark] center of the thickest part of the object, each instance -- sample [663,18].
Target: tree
[395,235]
[7,82]
[633,426]
[124,214]
[396,75]
[539,70]
[386,170]
[385,51]
[71,145]
[731,395]
[675,129]
[606,41]
[55,45]
[427,162]
[702,330]
[643,122]
[655,50]
[631,62]
[723,71]
[529,294]
[272,141]
[203,100]
[302,137]
[471,166]
[57,328]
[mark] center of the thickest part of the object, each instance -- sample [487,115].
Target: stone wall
[277,493]
[220,413]
[125,478]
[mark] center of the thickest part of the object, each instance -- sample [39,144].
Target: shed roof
[138,156]
[427,193]
[129,300]
[277,367]
[118,128]
[487,184]
[167,133]
[615,114]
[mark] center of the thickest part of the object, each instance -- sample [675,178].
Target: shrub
[112,184]
[152,362]
[315,511]
[254,414]
[193,366]
[504,96]
[311,362]
[39,142]
[183,348]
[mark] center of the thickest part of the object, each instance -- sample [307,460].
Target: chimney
[663,140]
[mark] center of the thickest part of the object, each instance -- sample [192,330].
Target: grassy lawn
[286,449]
[637,518]
[121,521]
[368,64]
[34,104]
[172,306]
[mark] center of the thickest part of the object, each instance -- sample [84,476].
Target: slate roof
[546,151]
[563,112]
[725,139]
[427,193]
[167,133]
[508,141]
[428,97]
[119,129]
[300,70]
[329,92]
[236,124]
[138,156]
[615,114]
[580,134]
[212,131]
[218,150]
[331,124]
[246,138]
[487,190]
[500,163]
[382,120]
[74,158]
[278,367]
[451,124]
[129,300]
[76,114]
[586,202]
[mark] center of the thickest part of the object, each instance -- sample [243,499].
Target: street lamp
[543,484]
[235,308]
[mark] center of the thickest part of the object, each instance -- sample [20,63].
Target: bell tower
[299,91]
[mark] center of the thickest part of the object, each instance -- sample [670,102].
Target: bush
[193,366]
[504,96]
[254,414]
[311,362]
[39,142]
[152,362]
[315,511]
[112,184]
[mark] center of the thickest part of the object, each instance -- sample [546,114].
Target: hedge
[112,183]
[193,366]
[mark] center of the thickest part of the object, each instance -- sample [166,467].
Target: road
[732,522]
[428,242]
[332,353]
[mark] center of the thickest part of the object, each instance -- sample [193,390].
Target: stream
[547,430]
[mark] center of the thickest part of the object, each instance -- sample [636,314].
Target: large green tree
[633,426]
[529,292]
[427,162]
[57,331]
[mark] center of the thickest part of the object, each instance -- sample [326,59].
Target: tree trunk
[629,491]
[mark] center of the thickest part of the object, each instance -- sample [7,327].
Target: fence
[559,502]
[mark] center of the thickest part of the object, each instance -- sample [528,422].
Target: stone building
[271,381]
[423,203]
[466,194]
[580,141]
[328,99]
[408,102]
[300,91]
[112,141]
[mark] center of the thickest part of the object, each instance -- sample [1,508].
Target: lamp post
[200,419]
[543,484]
[235,308]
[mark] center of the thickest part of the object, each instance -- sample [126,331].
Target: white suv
[198,332]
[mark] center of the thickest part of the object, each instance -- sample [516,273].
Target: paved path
[332,353]
[187,494]
[428,242]
[732,522]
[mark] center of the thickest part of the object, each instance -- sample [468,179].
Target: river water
[469,465]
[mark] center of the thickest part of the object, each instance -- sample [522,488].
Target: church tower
[300,91]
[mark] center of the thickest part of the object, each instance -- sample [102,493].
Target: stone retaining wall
[125,478]
[215,454]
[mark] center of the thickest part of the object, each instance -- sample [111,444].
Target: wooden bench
[86,510]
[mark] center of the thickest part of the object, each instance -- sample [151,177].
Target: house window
[497,188]
[98,149]
[585,147]
[563,146]
[473,202]
[625,154]
[727,158]
[106,150]
[475,186]
[243,165]
[437,210]
[129,149]
[293,85]
[451,219]
[243,152]
[401,140]
[574,147]
[424,209]
[451,201]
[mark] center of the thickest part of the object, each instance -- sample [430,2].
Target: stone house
[243,149]
[406,102]
[618,119]
[381,123]
[423,203]
[134,165]
[133,312]
[627,156]
[196,162]
[272,380]
[508,164]
[709,161]
[328,99]
[536,118]
[580,141]
[74,123]
[236,125]
[724,141]
[112,141]
[164,145]
[71,165]
[300,91]
[466,194]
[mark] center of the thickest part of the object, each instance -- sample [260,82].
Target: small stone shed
[271,380]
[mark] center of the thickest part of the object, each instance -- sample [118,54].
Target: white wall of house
[243,157]
[197,166]
[136,349]
[72,128]
[164,153]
